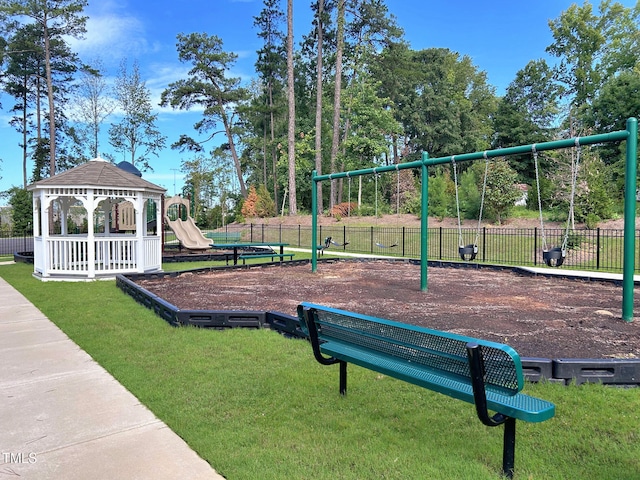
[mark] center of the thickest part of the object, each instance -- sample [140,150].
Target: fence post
[484,244]
[403,241]
[299,236]
[535,246]
[598,248]
[371,242]
[344,237]
[440,252]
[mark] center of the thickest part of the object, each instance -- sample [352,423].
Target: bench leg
[343,377]
[509,447]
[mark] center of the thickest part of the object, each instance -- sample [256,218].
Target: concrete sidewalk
[62,416]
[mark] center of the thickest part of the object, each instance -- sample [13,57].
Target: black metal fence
[16,241]
[597,249]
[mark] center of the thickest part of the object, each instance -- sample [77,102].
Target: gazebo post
[140,231]
[91,240]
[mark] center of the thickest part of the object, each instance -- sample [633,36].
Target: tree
[291,135]
[258,203]
[319,20]
[21,208]
[21,81]
[527,113]
[271,67]
[593,46]
[57,19]
[442,101]
[136,135]
[199,176]
[501,191]
[208,87]
[93,105]
[335,139]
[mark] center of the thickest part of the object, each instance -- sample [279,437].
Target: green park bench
[476,371]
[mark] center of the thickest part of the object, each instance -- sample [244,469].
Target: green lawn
[258,406]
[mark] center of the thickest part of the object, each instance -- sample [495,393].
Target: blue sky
[500,36]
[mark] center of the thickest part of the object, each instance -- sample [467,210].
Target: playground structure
[630,136]
[186,231]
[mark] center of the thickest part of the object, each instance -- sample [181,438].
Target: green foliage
[546,194]
[136,135]
[446,101]
[265,207]
[258,203]
[501,192]
[412,204]
[441,203]
[593,200]
[470,191]
[21,208]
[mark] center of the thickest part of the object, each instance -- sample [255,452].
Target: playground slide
[189,234]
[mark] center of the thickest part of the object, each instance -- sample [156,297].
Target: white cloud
[112,36]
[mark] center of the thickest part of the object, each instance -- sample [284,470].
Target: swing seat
[554,257]
[386,246]
[323,247]
[471,250]
[338,244]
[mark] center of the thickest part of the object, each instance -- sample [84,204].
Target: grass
[257,405]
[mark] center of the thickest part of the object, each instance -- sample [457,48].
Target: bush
[258,203]
[343,209]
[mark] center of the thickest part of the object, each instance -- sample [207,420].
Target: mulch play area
[538,316]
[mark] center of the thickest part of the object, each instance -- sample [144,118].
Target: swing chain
[455,181]
[535,162]
[484,189]
[574,181]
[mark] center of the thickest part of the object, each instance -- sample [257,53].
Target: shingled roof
[97,173]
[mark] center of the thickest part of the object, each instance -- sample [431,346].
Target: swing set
[552,256]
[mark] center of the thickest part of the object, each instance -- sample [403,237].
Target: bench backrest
[433,349]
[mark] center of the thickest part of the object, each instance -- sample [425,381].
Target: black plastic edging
[624,372]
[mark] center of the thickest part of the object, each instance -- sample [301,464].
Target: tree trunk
[24,133]
[274,154]
[318,145]
[336,98]
[234,155]
[293,206]
[52,113]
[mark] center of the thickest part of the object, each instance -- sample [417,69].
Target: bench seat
[520,406]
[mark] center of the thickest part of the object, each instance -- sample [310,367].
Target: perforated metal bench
[484,373]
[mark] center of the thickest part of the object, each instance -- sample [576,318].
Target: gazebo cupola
[95,221]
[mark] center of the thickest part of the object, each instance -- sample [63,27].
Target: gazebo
[77,235]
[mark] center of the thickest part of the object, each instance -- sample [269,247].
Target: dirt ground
[538,316]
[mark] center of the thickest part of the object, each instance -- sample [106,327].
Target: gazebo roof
[97,173]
